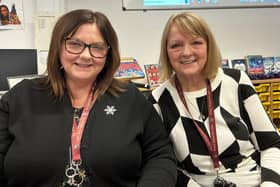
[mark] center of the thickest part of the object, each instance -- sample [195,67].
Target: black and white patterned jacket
[248,142]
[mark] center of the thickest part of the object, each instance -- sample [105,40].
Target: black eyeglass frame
[89,46]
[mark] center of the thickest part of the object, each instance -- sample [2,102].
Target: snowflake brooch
[110,110]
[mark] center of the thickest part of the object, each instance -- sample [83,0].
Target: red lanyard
[211,143]
[77,130]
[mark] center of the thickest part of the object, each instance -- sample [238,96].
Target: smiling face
[83,67]
[4,11]
[187,54]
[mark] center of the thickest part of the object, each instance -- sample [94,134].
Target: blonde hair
[189,23]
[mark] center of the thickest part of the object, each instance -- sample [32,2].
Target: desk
[146,92]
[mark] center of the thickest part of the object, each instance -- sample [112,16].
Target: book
[268,64]
[255,67]
[129,69]
[153,74]
[225,63]
[239,64]
[276,67]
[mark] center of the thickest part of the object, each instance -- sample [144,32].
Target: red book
[153,74]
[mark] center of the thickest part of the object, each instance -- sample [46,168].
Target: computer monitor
[16,62]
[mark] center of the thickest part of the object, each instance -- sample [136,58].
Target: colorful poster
[11,14]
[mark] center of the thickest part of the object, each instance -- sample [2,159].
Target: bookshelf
[266,81]
[269,93]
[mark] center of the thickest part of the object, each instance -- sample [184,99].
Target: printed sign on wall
[11,14]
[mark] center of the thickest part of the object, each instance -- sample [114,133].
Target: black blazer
[124,142]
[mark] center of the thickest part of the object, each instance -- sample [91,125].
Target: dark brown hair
[66,26]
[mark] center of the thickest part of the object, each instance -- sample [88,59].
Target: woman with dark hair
[4,15]
[7,17]
[78,126]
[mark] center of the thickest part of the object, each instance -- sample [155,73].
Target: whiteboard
[197,4]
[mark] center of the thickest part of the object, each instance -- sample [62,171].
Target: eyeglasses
[74,46]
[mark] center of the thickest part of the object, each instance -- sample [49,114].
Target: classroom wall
[21,39]
[29,37]
[238,31]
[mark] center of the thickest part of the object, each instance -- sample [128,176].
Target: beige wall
[238,31]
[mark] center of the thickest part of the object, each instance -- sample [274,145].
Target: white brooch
[110,110]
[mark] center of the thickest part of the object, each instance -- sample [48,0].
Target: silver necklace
[75,174]
[203,107]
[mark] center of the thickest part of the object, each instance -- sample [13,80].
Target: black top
[124,142]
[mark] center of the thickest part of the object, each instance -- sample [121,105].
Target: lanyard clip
[217,171]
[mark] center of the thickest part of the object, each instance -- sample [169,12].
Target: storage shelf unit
[269,93]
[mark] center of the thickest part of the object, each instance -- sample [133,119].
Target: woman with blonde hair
[220,131]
